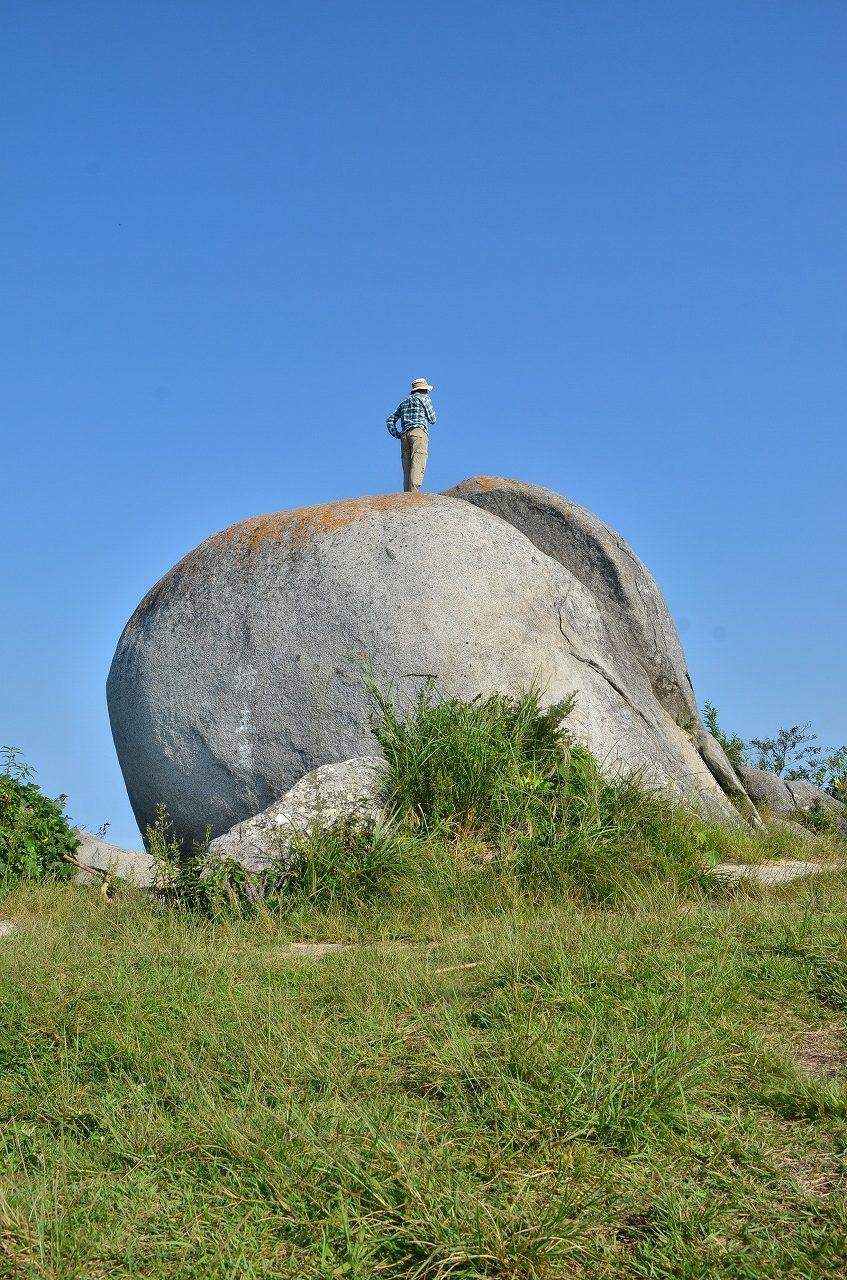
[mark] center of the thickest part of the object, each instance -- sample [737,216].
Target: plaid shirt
[415,411]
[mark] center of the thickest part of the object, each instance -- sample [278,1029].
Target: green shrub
[34,832]
[345,866]
[468,764]
[192,879]
[505,772]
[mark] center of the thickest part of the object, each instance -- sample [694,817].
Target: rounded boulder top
[241,670]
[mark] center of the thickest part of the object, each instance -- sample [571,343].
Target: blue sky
[612,234]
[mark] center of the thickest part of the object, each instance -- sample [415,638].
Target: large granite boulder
[349,790]
[634,609]
[241,670]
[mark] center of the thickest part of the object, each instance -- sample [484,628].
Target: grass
[605,1093]
[547,1066]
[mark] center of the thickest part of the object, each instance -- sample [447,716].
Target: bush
[468,764]
[505,774]
[345,866]
[34,832]
[193,880]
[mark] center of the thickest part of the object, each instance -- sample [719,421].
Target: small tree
[833,771]
[791,754]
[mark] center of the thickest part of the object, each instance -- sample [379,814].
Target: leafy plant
[34,831]
[831,773]
[790,754]
[192,879]
[468,764]
[734,746]
[344,866]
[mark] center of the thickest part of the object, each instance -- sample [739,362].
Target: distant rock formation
[785,797]
[240,671]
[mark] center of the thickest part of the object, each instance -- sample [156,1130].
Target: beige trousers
[413,449]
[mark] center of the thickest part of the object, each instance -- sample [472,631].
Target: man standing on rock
[414,415]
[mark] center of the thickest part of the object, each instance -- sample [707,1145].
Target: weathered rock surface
[634,609]
[239,672]
[807,796]
[784,797]
[351,789]
[126,864]
[633,606]
[768,791]
[772,875]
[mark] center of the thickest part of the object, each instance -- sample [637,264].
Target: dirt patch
[815,1174]
[821,1053]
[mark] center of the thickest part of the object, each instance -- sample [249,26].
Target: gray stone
[240,671]
[784,797]
[350,789]
[316,950]
[721,768]
[7,928]
[126,864]
[598,557]
[771,875]
[807,796]
[768,791]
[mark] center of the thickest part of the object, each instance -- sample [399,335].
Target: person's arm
[428,409]
[391,422]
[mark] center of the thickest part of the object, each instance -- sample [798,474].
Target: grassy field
[509,1071]
[644,1091]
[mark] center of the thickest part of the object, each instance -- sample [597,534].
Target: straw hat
[421,384]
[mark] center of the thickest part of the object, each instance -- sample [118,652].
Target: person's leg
[419,448]
[406,459]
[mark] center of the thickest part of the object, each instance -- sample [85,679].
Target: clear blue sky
[611,233]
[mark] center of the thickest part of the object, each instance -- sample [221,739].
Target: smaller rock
[770,875]
[127,864]
[807,796]
[766,789]
[7,928]
[316,950]
[351,788]
[721,768]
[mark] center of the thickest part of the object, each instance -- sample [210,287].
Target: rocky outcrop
[633,607]
[240,671]
[785,797]
[349,790]
[768,791]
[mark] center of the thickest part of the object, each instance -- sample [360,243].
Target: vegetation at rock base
[551,1047]
[34,832]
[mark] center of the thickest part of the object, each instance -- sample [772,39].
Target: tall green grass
[504,774]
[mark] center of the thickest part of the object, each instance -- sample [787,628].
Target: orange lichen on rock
[304,522]
[485,484]
[291,526]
